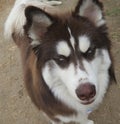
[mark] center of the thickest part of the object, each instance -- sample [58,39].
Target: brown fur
[39,92]
[37,89]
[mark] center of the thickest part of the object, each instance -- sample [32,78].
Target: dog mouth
[87,102]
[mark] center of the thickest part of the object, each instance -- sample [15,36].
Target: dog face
[73,54]
[77,63]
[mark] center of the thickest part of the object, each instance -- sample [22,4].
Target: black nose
[86,91]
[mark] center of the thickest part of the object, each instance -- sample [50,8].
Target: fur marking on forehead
[72,40]
[63,49]
[84,43]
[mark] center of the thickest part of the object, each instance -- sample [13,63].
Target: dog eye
[62,60]
[90,53]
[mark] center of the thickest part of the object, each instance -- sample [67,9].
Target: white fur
[35,43]
[56,122]
[63,48]
[38,18]
[52,3]
[63,83]
[80,118]
[72,40]
[84,43]
[16,19]
[32,35]
[92,11]
[90,122]
[34,30]
[34,38]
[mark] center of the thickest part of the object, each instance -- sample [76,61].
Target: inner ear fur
[37,22]
[92,10]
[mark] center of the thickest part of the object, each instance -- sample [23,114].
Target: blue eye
[62,60]
[90,53]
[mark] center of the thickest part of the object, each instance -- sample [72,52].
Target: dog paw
[90,122]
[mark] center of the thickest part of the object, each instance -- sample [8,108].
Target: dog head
[73,55]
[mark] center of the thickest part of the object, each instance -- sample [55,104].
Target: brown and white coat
[66,59]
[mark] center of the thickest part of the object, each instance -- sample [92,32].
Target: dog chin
[88,102]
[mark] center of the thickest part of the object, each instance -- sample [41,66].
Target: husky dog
[67,61]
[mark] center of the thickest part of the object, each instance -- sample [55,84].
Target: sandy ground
[16,106]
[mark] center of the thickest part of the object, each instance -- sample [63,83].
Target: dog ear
[91,9]
[37,23]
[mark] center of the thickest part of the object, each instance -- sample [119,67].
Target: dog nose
[86,91]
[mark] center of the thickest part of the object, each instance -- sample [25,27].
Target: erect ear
[37,23]
[91,9]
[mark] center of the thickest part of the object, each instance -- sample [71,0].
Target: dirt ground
[16,106]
